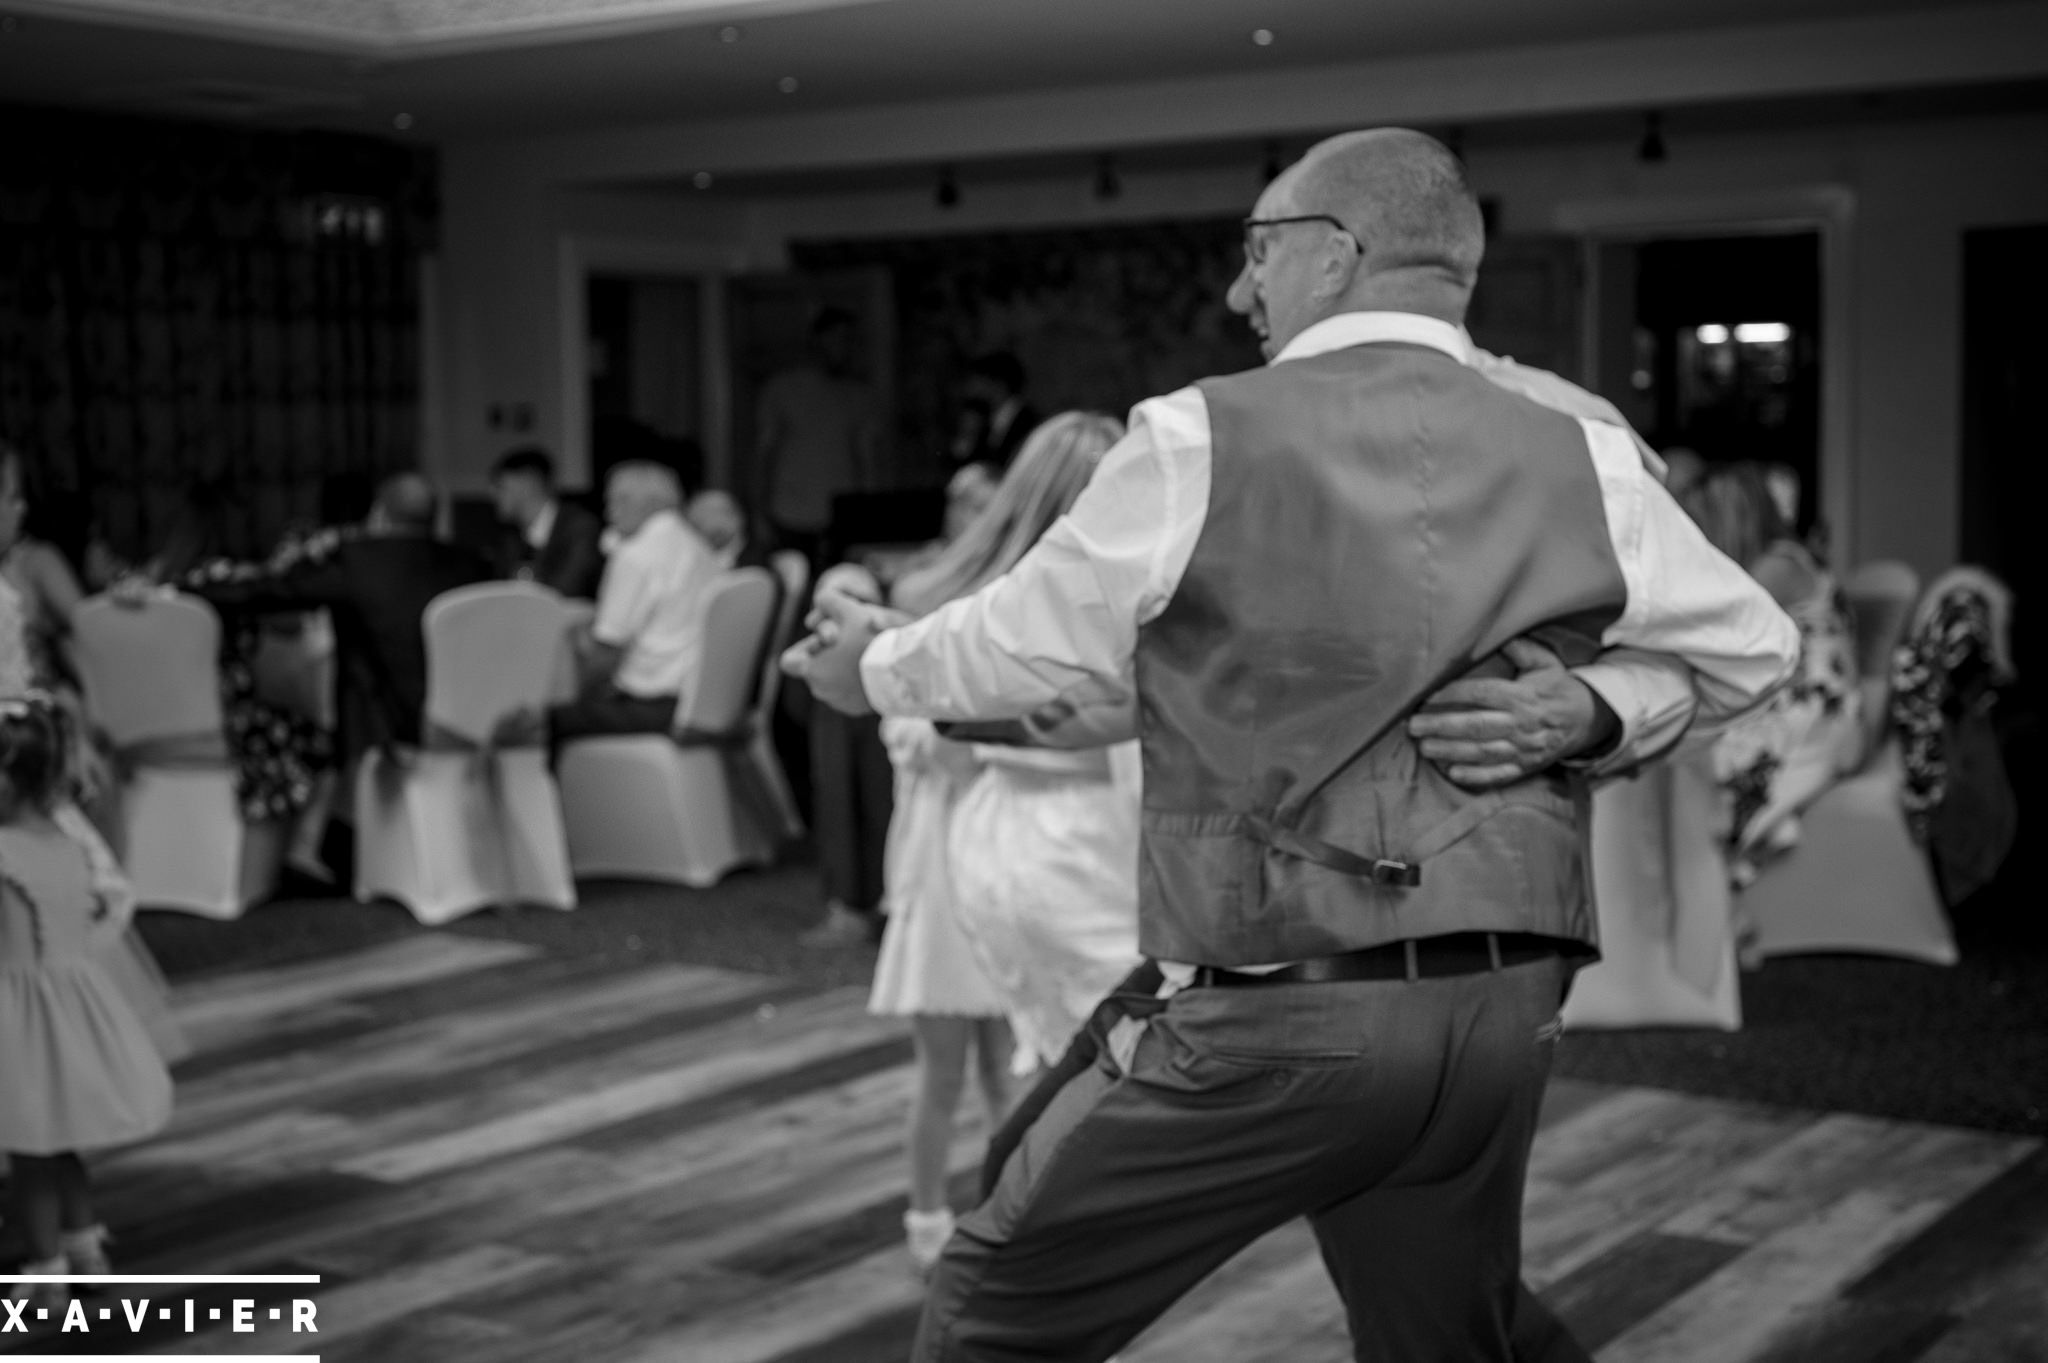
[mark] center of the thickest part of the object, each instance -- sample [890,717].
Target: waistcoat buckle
[1386,871]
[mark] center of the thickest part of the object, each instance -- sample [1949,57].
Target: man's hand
[1492,731]
[841,630]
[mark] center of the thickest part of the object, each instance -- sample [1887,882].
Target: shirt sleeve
[625,599]
[1651,694]
[1064,621]
[1685,599]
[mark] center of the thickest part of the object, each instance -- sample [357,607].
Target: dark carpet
[1966,1045]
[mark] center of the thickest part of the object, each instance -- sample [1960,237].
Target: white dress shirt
[651,605]
[1065,620]
[542,526]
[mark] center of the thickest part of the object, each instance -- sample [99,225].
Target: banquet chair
[770,784]
[660,806]
[1881,595]
[470,818]
[1857,882]
[1660,888]
[152,689]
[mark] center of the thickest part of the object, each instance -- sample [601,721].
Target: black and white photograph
[1022,681]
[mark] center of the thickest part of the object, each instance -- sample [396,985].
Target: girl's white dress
[926,966]
[78,1069]
[1045,864]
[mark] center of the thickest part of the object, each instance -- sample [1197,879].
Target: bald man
[641,652]
[376,585]
[1359,961]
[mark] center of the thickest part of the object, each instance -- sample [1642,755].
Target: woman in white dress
[1044,841]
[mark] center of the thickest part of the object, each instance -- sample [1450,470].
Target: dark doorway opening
[645,351]
[1713,344]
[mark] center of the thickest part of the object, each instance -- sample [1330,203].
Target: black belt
[1417,958]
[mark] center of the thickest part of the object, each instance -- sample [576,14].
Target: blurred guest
[1683,469]
[852,787]
[641,654]
[549,541]
[818,434]
[42,579]
[996,382]
[736,537]
[1774,762]
[376,583]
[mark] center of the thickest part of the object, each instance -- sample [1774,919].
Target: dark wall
[220,316]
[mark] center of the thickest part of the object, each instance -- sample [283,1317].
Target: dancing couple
[1301,589]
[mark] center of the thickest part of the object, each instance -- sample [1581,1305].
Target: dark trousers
[1396,1115]
[852,794]
[610,711]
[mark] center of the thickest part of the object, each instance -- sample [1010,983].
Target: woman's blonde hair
[1733,506]
[1055,463]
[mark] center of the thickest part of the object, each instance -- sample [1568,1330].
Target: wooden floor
[496,1155]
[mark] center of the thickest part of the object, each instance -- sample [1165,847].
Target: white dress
[1045,860]
[926,965]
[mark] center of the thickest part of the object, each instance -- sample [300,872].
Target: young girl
[78,1069]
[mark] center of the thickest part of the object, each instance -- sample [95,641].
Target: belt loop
[1493,950]
[1414,968]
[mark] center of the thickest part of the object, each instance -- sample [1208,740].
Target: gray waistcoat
[1381,520]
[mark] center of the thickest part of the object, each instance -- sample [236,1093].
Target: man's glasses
[1255,241]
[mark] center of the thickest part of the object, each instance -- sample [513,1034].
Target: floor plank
[494,1156]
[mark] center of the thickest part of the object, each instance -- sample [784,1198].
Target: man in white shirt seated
[641,653]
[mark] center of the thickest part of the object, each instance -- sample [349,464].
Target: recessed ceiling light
[1263,37]
[731,33]
[787,85]
[401,121]
[702,179]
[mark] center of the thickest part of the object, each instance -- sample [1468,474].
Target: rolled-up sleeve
[1685,599]
[1063,621]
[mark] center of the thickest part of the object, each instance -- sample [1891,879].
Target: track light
[948,193]
[1107,185]
[1651,148]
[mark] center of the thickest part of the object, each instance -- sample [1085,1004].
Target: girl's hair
[1055,463]
[35,747]
[1733,506]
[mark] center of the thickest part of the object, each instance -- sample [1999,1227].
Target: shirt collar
[1348,329]
[541,527]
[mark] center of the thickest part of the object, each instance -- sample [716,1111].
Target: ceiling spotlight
[1263,37]
[1651,148]
[1270,169]
[8,23]
[730,34]
[947,195]
[702,179]
[401,121]
[1107,185]
[787,85]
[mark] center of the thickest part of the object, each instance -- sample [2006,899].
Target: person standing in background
[550,541]
[995,384]
[818,434]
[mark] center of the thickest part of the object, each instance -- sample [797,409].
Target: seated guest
[1775,761]
[376,584]
[643,649]
[738,539]
[549,541]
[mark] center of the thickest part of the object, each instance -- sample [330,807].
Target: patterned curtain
[1101,317]
[204,322]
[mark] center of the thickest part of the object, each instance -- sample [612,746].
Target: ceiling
[443,69]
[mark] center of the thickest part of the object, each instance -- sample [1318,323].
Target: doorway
[1713,343]
[644,346]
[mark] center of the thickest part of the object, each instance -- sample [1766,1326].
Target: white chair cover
[1856,882]
[1660,887]
[152,687]
[472,818]
[770,779]
[1880,596]
[660,807]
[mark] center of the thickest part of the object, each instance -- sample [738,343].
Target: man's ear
[1335,269]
